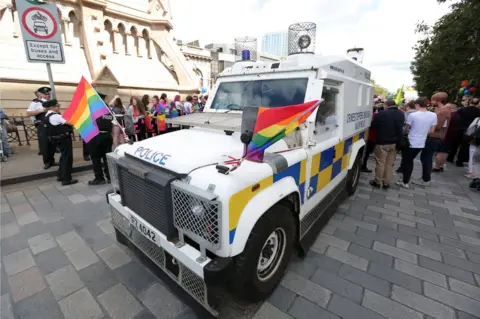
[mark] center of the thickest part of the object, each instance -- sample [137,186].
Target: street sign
[42,34]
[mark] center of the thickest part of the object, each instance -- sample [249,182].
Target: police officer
[35,109]
[60,133]
[99,146]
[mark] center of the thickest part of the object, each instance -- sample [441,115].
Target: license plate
[144,230]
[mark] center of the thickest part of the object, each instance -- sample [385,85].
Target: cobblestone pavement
[384,254]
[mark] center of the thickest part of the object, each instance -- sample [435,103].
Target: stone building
[200,61]
[122,47]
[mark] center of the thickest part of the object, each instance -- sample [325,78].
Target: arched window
[123,34]
[134,33]
[146,38]
[108,34]
[74,30]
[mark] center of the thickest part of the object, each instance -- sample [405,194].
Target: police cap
[50,103]
[44,90]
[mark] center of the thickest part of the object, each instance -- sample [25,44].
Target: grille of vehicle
[187,279]
[148,195]
[197,214]
[112,159]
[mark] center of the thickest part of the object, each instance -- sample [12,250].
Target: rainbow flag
[86,107]
[271,124]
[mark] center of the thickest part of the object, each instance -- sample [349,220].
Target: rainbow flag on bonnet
[86,107]
[264,126]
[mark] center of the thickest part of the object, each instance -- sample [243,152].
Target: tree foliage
[378,89]
[448,51]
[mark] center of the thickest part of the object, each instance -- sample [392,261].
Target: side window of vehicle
[327,120]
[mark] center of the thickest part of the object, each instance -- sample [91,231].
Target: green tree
[378,89]
[449,51]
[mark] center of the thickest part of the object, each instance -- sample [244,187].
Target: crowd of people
[141,119]
[436,129]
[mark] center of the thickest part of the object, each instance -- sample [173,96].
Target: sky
[384,28]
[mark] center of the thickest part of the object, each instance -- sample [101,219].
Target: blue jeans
[432,146]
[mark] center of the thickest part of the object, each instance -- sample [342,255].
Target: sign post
[42,34]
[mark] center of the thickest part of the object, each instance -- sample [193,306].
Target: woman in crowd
[118,109]
[187,105]
[137,110]
[178,104]
[7,149]
[146,102]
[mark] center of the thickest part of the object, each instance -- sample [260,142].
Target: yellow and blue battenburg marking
[326,165]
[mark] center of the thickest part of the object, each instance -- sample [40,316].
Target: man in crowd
[449,139]
[467,115]
[410,108]
[389,132]
[60,133]
[434,140]
[419,125]
[36,109]
[100,145]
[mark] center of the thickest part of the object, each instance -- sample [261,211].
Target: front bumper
[193,276]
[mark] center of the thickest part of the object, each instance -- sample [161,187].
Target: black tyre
[261,265]
[121,238]
[353,175]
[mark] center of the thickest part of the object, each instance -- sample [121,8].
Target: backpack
[474,127]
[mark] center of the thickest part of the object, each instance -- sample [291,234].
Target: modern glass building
[275,43]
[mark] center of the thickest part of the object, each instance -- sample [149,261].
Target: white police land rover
[178,200]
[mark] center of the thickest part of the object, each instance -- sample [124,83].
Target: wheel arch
[357,148]
[284,192]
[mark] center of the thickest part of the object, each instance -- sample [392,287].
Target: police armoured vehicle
[207,218]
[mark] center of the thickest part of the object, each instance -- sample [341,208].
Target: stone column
[130,43]
[118,41]
[148,48]
[142,47]
[68,27]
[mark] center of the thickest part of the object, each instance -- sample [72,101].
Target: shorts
[445,147]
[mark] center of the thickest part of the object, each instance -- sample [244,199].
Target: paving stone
[301,267]
[447,269]
[332,241]
[9,230]
[349,310]
[304,309]
[361,224]
[342,225]
[381,222]
[135,277]
[39,306]
[438,231]
[323,262]
[13,244]
[467,226]
[26,284]
[380,237]
[4,286]
[70,241]
[63,282]
[338,285]
[161,302]
[41,243]
[399,221]
[395,252]
[328,229]
[464,288]
[77,198]
[98,278]
[267,311]
[452,299]
[6,310]
[418,233]
[421,273]
[397,277]
[7,218]
[382,210]
[365,280]
[416,219]
[461,263]
[282,298]
[80,305]
[82,257]
[420,303]
[466,215]
[5,208]
[106,226]
[18,261]
[352,237]
[463,315]
[347,258]
[399,235]
[26,218]
[440,247]
[22,208]
[387,307]
[460,244]
[370,254]
[419,250]
[473,257]
[119,303]
[114,256]
[470,240]
[51,260]
[307,289]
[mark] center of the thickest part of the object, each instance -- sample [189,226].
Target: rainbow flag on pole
[86,107]
[272,124]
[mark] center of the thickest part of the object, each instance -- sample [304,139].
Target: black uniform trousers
[66,158]
[47,147]
[86,150]
[99,146]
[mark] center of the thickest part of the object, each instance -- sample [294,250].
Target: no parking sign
[42,34]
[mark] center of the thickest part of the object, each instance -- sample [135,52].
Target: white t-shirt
[33,107]
[420,124]
[56,119]
[187,106]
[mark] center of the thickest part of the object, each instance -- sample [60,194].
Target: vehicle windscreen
[265,93]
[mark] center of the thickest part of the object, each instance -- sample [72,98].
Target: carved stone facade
[122,47]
